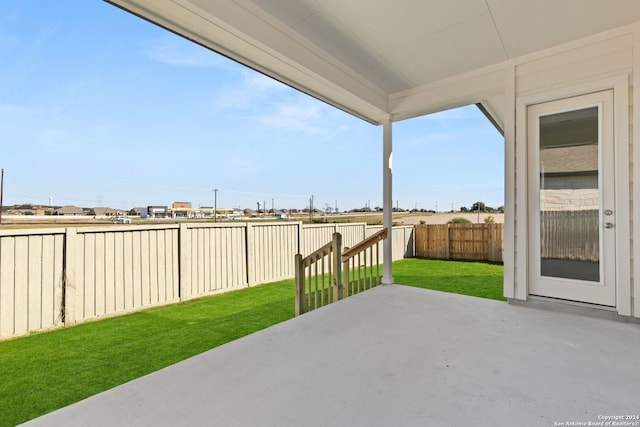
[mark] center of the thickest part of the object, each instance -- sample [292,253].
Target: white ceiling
[360,54]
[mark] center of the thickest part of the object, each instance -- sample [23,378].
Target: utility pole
[311,208]
[336,208]
[215,205]
[273,210]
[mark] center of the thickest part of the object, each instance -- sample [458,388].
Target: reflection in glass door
[569,195]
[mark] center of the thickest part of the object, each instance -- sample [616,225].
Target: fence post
[250,255]
[449,241]
[184,266]
[299,270]
[337,266]
[70,271]
[345,278]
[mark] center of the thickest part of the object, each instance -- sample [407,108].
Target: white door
[571,199]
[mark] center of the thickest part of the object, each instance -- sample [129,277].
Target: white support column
[387,200]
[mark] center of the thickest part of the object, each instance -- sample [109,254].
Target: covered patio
[393,355]
[402,356]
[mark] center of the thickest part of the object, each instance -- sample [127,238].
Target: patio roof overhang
[382,60]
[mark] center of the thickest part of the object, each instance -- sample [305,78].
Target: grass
[46,371]
[478,279]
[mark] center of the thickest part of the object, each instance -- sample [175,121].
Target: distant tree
[459,220]
[489,220]
[464,209]
[478,206]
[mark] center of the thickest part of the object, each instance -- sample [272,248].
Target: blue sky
[100,108]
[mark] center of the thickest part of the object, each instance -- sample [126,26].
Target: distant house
[28,209]
[69,211]
[135,211]
[103,212]
[182,209]
[157,211]
[569,178]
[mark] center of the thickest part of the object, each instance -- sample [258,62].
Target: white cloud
[173,50]
[249,93]
[275,105]
[299,115]
[258,81]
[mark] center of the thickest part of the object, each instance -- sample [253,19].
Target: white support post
[387,200]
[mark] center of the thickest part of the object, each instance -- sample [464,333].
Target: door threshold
[573,307]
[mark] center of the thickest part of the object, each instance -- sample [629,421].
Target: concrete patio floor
[392,356]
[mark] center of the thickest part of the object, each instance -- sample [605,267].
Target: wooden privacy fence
[482,242]
[328,275]
[57,276]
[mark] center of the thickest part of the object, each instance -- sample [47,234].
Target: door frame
[620,85]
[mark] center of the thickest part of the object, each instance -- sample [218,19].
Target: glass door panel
[570,195]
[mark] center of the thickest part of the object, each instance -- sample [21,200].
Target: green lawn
[43,372]
[46,371]
[478,279]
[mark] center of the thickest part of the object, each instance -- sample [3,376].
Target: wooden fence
[481,242]
[57,276]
